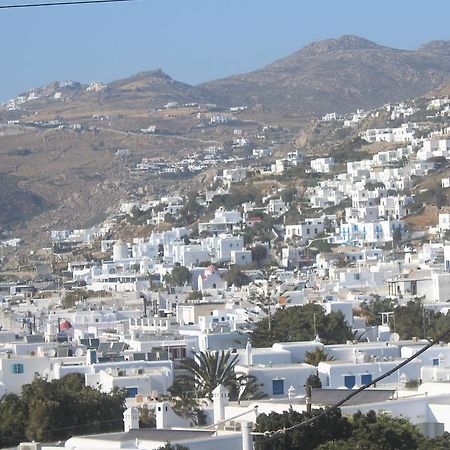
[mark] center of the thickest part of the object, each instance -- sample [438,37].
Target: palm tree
[246,387]
[316,356]
[209,369]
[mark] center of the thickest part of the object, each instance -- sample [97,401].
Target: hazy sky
[193,40]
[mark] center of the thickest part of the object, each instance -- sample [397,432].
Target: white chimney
[249,353]
[131,419]
[220,400]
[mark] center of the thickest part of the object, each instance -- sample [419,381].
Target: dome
[65,325]
[210,270]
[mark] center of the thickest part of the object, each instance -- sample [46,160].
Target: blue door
[349,381]
[366,379]
[132,392]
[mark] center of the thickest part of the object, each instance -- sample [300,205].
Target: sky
[193,40]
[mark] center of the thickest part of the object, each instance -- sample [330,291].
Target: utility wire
[62,3]
[272,435]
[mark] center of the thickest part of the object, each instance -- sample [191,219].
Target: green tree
[389,433]
[397,237]
[191,210]
[335,432]
[236,276]
[209,369]
[195,295]
[314,381]
[147,417]
[332,426]
[409,319]
[316,356]
[246,387]
[371,310]
[13,419]
[413,319]
[259,252]
[179,276]
[302,323]
[66,407]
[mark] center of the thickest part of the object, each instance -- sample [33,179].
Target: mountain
[338,75]
[59,165]
[130,96]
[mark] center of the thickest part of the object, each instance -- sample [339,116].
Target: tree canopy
[335,432]
[56,410]
[413,320]
[371,310]
[179,276]
[302,323]
[316,356]
[236,276]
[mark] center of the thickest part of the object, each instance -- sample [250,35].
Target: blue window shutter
[278,387]
[349,381]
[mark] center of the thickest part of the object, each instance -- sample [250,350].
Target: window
[349,381]
[366,378]
[435,361]
[17,368]
[278,387]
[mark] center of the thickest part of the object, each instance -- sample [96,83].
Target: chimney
[91,356]
[131,419]
[249,353]
[220,400]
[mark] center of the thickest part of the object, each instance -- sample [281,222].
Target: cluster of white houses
[134,335]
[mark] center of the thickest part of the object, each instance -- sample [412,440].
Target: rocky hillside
[338,75]
[58,176]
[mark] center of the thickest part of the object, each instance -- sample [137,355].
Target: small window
[278,387]
[435,361]
[17,368]
[366,378]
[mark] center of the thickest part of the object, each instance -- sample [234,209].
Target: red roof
[66,325]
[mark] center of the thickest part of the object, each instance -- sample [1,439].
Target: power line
[272,435]
[62,3]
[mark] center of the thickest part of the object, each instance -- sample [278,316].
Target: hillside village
[354,243]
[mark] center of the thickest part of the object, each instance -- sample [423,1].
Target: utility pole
[308,398]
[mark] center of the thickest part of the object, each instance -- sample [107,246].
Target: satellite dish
[79,352]
[395,337]
[52,353]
